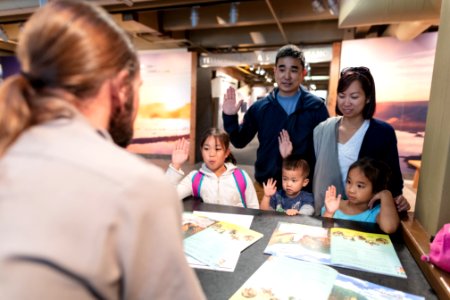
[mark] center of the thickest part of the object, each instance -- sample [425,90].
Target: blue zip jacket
[267,118]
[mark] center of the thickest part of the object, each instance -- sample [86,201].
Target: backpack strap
[197,181]
[241,184]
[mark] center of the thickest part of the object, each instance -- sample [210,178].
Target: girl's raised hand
[270,188]
[180,153]
[229,106]
[331,201]
[285,144]
[383,195]
[388,218]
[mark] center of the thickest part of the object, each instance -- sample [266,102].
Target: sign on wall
[164,113]
[402,71]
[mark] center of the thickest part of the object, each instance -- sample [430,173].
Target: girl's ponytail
[230,158]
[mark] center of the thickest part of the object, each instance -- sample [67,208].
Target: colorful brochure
[220,244]
[192,223]
[286,278]
[365,251]
[209,251]
[310,243]
[336,246]
[347,287]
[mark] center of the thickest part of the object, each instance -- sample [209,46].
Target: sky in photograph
[402,69]
[166,77]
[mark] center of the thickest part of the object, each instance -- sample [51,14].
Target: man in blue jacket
[289,106]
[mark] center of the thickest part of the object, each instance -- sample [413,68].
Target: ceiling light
[334,7]
[234,12]
[317,78]
[317,6]
[194,16]
[3,35]
[220,21]
[257,37]
[127,2]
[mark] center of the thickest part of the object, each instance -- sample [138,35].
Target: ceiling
[217,26]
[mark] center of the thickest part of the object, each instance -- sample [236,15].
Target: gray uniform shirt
[81,218]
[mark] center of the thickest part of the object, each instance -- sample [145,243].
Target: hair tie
[36,83]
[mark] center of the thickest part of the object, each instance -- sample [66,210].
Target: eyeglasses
[359,70]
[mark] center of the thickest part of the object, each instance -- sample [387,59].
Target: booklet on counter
[286,278]
[336,246]
[216,244]
[193,223]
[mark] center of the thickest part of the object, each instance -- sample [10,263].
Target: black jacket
[267,118]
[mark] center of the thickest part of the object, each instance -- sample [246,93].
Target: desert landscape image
[164,113]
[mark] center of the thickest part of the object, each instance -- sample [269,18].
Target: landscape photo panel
[164,112]
[402,71]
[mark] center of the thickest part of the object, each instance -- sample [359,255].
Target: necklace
[347,125]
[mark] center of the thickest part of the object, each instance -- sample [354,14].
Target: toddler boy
[291,199]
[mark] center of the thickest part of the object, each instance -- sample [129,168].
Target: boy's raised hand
[331,201]
[285,144]
[292,212]
[180,153]
[229,106]
[270,188]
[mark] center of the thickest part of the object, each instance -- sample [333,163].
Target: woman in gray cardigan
[353,134]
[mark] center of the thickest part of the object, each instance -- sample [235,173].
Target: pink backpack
[440,249]
[239,178]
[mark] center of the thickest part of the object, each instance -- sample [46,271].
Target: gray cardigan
[379,143]
[327,170]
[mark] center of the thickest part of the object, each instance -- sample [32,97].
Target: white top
[348,152]
[216,190]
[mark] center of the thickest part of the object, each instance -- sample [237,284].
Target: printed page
[347,287]
[365,251]
[192,223]
[287,278]
[196,264]
[241,220]
[198,220]
[310,243]
[220,244]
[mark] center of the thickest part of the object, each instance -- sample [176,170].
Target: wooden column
[335,69]
[192,134]
[433,194]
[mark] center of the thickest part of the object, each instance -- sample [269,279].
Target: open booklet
[216,244]
[287,278]
[336,246]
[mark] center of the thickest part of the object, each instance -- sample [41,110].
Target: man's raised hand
[229,106]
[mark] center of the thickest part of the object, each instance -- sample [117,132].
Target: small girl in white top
[219,181]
